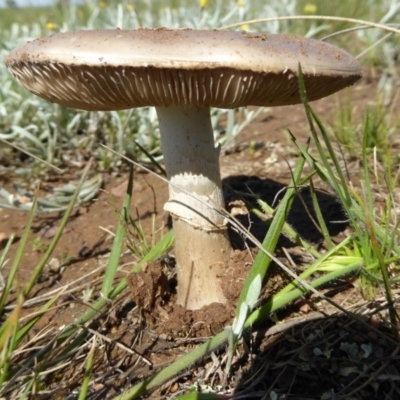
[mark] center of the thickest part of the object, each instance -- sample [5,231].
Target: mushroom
[183,73]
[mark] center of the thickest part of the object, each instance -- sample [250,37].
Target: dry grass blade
[384,27]
[118,344]
[31,155]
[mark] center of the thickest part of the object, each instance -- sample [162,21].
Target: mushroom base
[201,259]
[195,203]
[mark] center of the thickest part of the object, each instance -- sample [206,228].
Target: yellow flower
[102,4]
[310,8]
[129,7]
[245,27]
[203,3]
[50,26]
[241,4]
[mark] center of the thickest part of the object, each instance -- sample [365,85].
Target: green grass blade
[316,265]
[39,268]
[88,372]
[8,340]
[18,256]
[5,251]
[26,328]
[262,261]
[152,159]
[321,221]
[167,373]
[278,301]
[289,231]
[336,176]
[119,239]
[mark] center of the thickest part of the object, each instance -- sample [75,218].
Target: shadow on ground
[302,217]
[322,357]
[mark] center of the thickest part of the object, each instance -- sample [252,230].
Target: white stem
[201,241]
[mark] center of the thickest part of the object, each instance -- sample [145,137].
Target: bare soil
[308,355]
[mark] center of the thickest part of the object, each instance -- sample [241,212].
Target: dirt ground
[309,355]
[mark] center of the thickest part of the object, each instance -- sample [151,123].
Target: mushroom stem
[202,245]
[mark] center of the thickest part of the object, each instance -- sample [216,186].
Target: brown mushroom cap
[121,69]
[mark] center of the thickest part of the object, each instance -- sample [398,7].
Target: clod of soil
[153,292]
